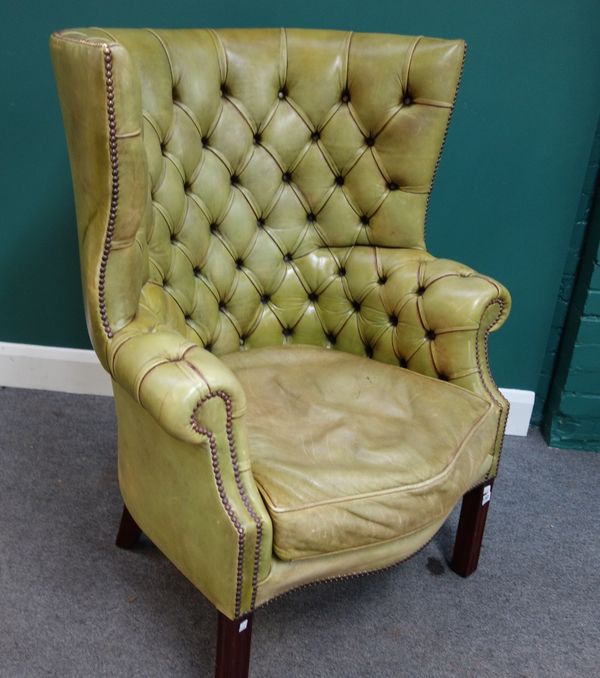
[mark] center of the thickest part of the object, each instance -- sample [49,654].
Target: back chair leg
[471,524]
[129,531]
[233,647]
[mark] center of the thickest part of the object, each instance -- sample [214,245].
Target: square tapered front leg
[471,526]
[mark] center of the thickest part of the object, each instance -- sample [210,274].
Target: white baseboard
[74,370]
[521,407]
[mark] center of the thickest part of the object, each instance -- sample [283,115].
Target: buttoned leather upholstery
[251,209]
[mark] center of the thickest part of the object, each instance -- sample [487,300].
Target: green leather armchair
[302,391]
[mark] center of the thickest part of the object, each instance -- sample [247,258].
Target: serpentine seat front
[302,390]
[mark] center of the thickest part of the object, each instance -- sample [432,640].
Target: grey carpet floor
[71,604]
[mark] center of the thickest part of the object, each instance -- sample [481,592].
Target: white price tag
[487,494]
[243,626]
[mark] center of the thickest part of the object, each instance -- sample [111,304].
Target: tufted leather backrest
[256,180]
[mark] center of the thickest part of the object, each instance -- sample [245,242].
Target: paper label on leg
[243,626]
[487,495]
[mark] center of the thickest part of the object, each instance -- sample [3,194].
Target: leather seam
[351,549]
[63,36]
[411,53]
[157,37]
[349,575]
[394,490]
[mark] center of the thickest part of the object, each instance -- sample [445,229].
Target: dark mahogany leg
[473,513]
[233,647]
[129,532]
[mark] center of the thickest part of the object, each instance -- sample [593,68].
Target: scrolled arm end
[455,309]
[172,378]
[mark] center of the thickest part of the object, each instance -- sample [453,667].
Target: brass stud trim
[212,443]
[114,191]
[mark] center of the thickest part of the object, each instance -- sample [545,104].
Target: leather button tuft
[224,90]
[311,217]
[420,291]
[370,141]
[315,136]
[393,320]
[187,187]
[287,257]
[243,339]
[265,298]
[260,222]
[392,186]
[239,263]
[403,362]
[204,142]
[407,100]
[208,347]
[346,96]
[214,227]
[341,271]
[282,93]
[382,279]
[369,351]
[339,180]
[197,271]
[187,317]
[364,220]
[257,138]
[444,377]
[331,338]
[235,180]
[313,296]
[356,305]
[287,331]
[173,238]
[286,177]
[430,334]
[222,305]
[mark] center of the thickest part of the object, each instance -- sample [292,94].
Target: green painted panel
[508,185]
[592,304]
[574,434]
[584,381]
[595,281]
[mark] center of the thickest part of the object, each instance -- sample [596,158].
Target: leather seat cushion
[348,452]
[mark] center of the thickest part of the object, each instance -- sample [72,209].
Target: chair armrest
[430,315]
[455,310]
[172,378]
[184,461]
[435,318]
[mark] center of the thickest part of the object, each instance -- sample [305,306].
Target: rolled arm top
[171,377]
[455,310]
[455,297]
[432,316]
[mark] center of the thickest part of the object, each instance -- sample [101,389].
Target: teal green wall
[508,187]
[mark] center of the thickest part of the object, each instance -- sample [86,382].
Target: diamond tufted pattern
[270,171]
[240,189]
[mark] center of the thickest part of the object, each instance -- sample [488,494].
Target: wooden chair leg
[129,531]
[233,647]
[471,524]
